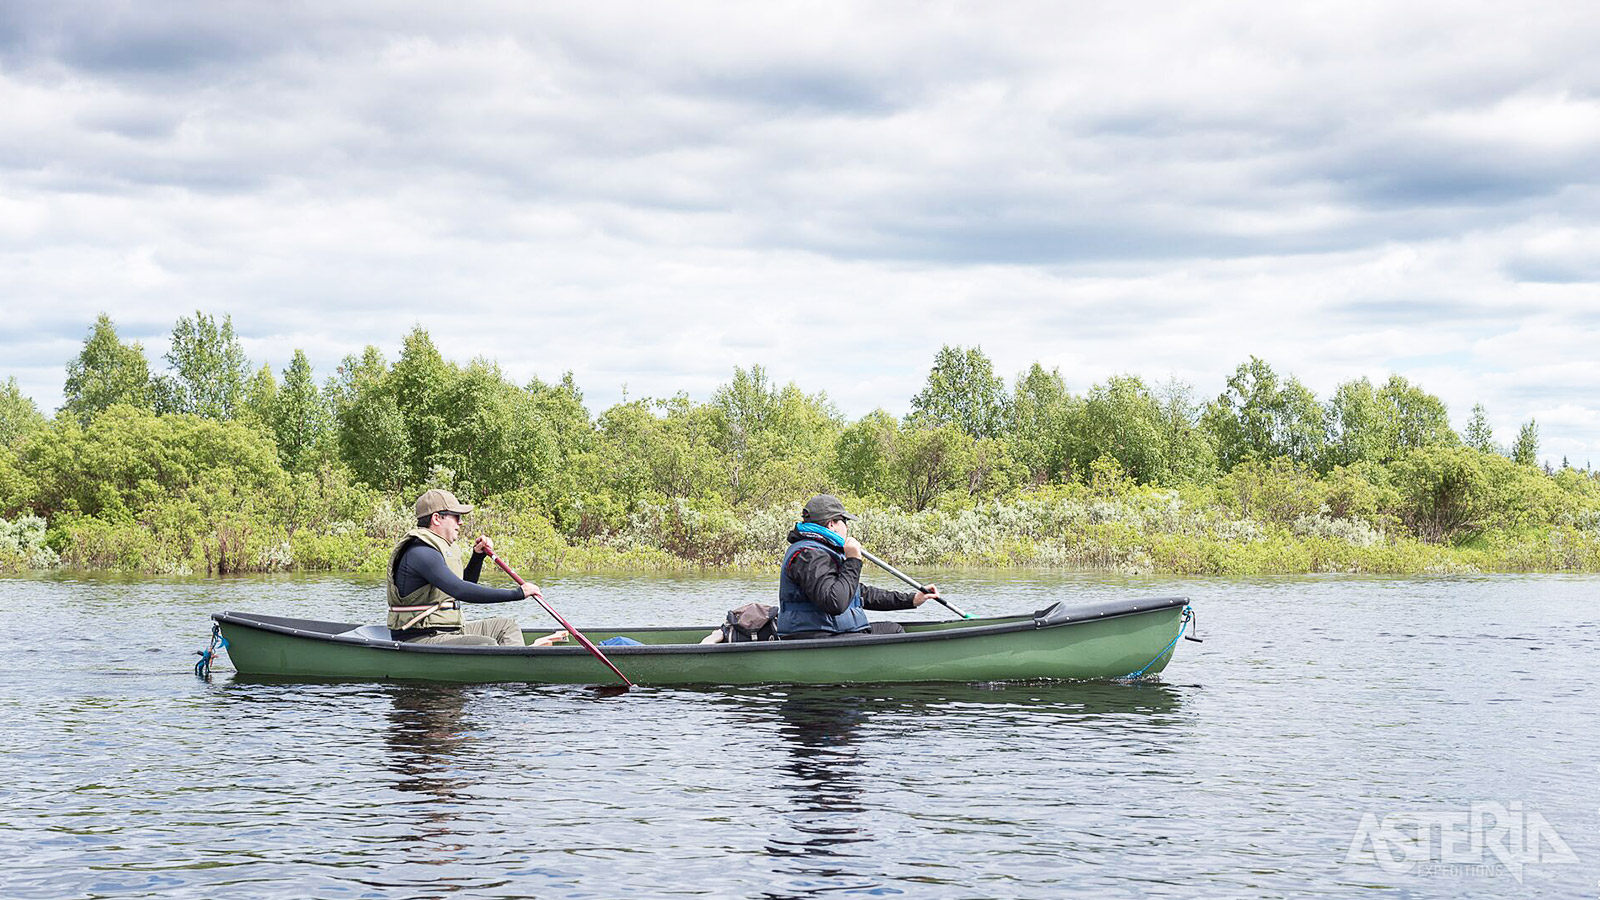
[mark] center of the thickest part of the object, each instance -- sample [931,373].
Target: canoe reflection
[840,747]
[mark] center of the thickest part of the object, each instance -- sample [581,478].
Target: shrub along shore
[218,468]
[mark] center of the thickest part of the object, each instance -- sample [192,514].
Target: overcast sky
[650,194]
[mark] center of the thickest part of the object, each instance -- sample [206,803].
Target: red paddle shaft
[587,644]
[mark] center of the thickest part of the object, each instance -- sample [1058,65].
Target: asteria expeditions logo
[1487,839]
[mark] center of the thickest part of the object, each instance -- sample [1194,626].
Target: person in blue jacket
[820,594]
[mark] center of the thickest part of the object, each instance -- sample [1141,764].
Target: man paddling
[820,594]
[427,583]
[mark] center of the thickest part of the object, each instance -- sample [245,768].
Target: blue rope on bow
[1188,616]
[202,669]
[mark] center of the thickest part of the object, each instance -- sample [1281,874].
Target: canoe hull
[1006,649]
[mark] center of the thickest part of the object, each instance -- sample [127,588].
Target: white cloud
[652,195]
[1556,124]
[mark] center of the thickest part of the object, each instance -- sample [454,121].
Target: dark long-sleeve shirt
[829,583]
[422,564]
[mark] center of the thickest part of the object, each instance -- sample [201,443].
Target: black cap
[824,508]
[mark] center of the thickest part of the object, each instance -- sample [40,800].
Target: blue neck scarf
[823,534]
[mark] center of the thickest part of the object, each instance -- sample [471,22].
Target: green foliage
[745,408]
[209,369]
[397,425]
[1278,491]
[1038,425]
[19,417]
[775,442]
[199,486]
[327,499]
[1108,477]
[1362,492]
[1377,425]
[491,434]
[1257,417]
[373,440]
[16,484]
[1479,436]
[301,417]
[962,390]
[89,543]
[1522,497]
[1418,418]
[1187,451]
[925,463]
[576,459]
[1525,452]
[523,534]
[1120,420]
[259,405]
[106,373]
[655,450]
[421,385]
[1125,477]
[991,470]
[336,551]
[127,459]
[1356,428]
[863,454]
[1444,492]
[798,448]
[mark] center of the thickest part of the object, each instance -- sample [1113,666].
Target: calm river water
[1338,737]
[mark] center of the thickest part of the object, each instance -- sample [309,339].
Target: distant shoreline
[213,470]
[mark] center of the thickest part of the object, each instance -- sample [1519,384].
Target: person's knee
[507,633]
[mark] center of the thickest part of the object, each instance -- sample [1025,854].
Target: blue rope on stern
[202,669]
[1188,617]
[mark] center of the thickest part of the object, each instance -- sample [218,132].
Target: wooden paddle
[587,644]
[911,581]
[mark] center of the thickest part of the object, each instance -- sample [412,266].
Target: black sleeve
[827,583]
[882,598]
[474,568]
[428,564]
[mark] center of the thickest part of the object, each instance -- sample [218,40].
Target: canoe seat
[369,633]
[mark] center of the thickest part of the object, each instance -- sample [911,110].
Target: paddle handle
[911,581]
[539,598]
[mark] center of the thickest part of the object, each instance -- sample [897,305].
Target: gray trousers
[484,632]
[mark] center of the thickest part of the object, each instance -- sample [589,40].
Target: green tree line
[214,465]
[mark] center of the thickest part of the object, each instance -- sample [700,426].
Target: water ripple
[1243,772]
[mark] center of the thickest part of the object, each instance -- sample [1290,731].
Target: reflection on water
[425,736]
[1243,771]
[822,778]
[819,733]
[843,745]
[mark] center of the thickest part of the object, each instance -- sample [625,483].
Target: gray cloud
[653,195]
[1553,271]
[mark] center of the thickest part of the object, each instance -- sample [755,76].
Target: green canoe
[1105,639]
